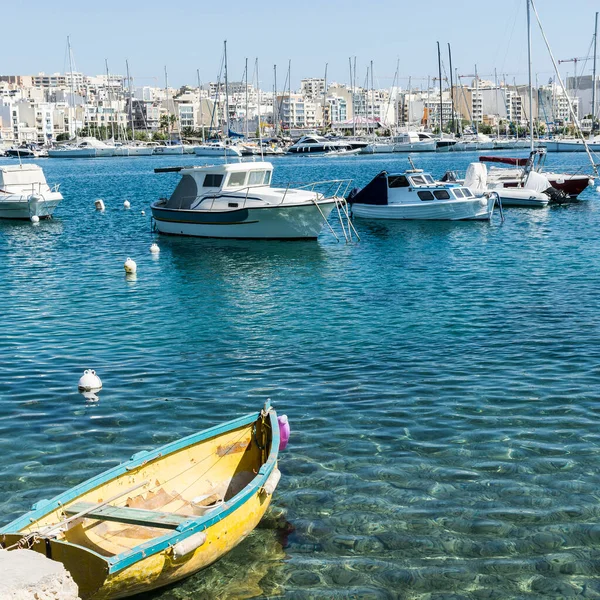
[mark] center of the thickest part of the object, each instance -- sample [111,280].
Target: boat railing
[333,188]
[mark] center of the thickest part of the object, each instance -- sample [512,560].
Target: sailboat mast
[497,108]
[351,90]
[324,98]
[531,146]
[477,98]
[372,102]
[353,93]
[258,110]
[246,71]
[72,103]
[290,93]
[130,101]
[441,99]
[200,101]
[275,101]
[451,89]
[112,121]
[594,72]
[226,88]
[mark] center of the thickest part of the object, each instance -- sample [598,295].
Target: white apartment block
[313,88]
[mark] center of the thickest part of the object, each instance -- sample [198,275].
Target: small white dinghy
[24,193]
[531,194]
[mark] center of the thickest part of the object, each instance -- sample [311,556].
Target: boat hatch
[425,179]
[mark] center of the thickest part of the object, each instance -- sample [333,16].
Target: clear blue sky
[189,35]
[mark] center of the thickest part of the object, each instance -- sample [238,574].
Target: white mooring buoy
[598,189]
[154,249]
[127,204]
[34,219]
[99,204]
[89,381]
[130,266]
[143,212]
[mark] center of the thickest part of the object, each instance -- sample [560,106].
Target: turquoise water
[441,379]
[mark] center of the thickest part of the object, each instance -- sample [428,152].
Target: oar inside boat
[164,514]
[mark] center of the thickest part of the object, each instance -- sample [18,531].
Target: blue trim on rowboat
[203,523]
[123,560]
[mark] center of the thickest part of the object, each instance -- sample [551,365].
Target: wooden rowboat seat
[124,514]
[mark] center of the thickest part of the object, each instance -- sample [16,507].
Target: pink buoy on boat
[284,431]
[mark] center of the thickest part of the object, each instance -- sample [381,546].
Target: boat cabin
[211,181]
[22,179]
[410,187]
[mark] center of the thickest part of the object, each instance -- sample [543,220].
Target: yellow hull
[162,516]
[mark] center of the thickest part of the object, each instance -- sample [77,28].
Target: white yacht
[311,144]
[87,148]
[168,149]
[415,195]
[24,193]
[217,149]
[237,201]
[411,141]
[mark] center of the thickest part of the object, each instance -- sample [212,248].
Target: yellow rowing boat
[163,515]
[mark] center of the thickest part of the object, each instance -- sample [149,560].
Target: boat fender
[34,199]
[284,431]
[89,381]
[183,548]
[34,219]
[272,482]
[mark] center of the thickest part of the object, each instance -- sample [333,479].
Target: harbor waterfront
[441,379]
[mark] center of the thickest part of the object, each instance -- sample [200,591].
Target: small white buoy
[34,219]
[598,189]
[99,204]
[126,204]
[130,266]
[154,249]
[143,212]
[89,381]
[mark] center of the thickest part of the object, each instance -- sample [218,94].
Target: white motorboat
[573,145]
[133,149]
[87,148]
[532,194]
[237,201]
[168,150]
[415,195]
[411,141]
[386,147]
[217,149]
[317,144]
[24,193]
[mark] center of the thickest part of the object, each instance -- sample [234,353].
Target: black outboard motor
[556,196]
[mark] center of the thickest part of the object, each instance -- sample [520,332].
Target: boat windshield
[259,178]
[424,179]
[237,179]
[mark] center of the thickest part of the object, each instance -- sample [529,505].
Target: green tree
[63,137]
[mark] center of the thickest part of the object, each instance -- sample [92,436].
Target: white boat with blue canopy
[163,515]
[237,201]
[416,195]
